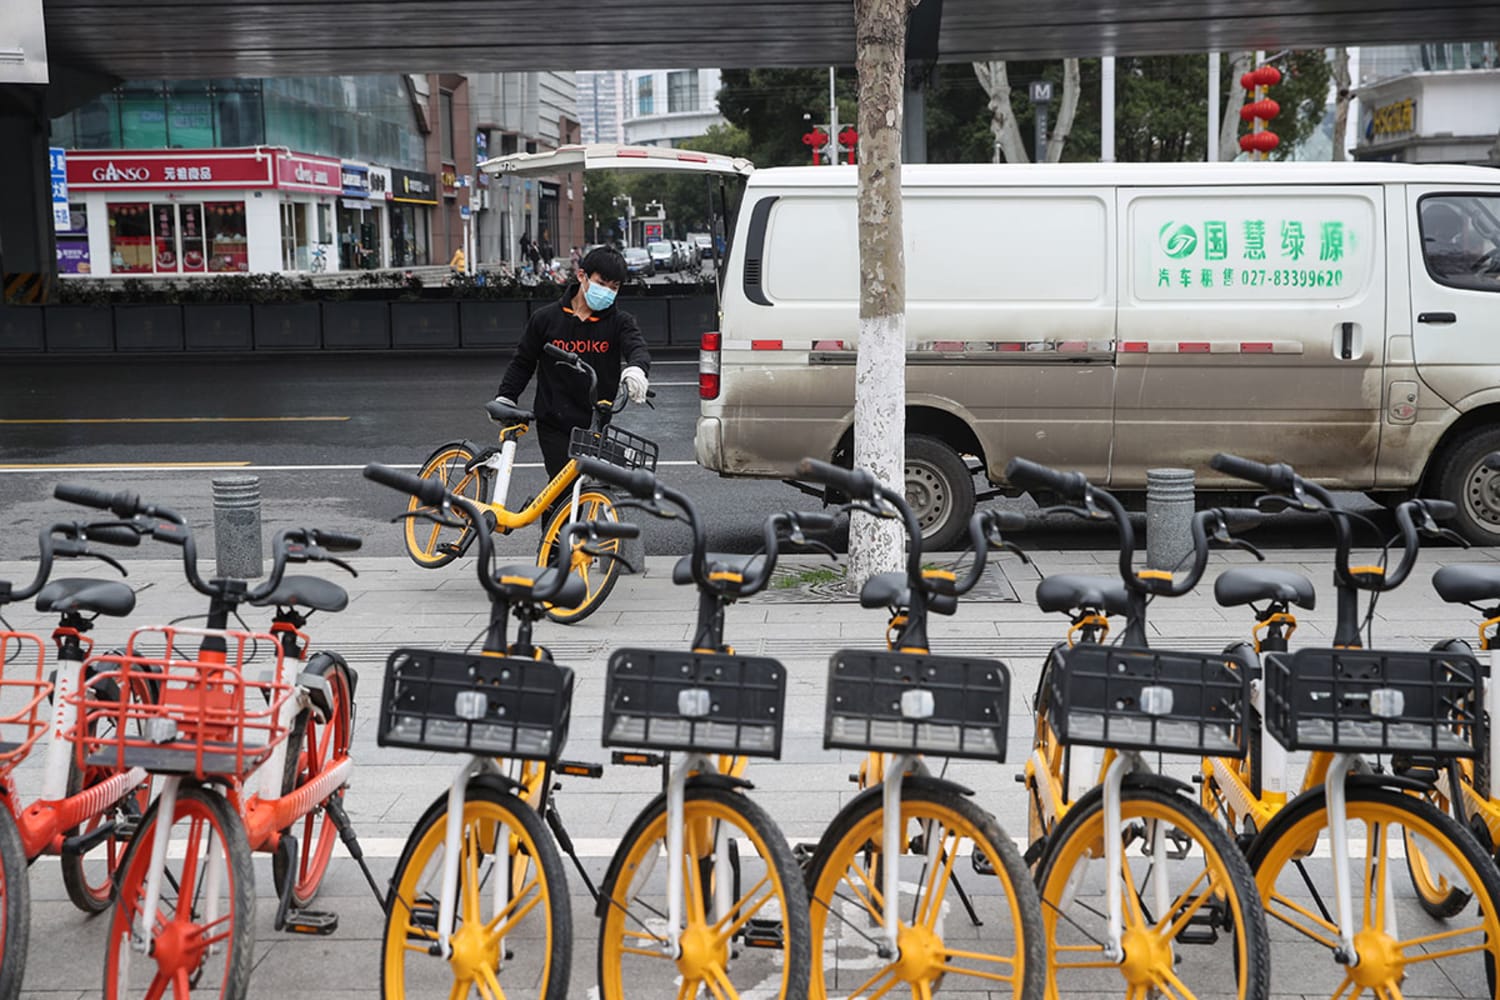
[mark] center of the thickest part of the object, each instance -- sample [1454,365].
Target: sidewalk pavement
[394,603]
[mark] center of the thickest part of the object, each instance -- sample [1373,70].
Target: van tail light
[708,366]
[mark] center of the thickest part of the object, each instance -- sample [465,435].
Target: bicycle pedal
[424,917]
[1197,932]
[318,922]
[980,862]
[760,933]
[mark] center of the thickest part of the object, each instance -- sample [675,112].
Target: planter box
[356,326]
[80,328]
[690,317]
[148,328]
[288,326]
[23,329]
[496,323]
[424,325]
[651,316]
[215,327]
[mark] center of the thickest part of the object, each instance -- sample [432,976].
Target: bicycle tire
[89,889]
[548,949]
[201,806]
[318,834]
[779,972]
[15,907]
[1292,835]
[1157,953]
[598,574]
[856,834]
[440,545]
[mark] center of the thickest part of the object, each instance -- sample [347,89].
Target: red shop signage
[114,170]
[299,172]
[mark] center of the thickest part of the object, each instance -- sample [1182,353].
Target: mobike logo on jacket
[583,346]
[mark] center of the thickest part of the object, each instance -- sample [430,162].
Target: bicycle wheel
[1192,920]
[430,544]
[753,942]
[1401,950]
[512,920]
[15,907]
[90,878]
[204,934]
[986,936]
[311,747]
[598,574]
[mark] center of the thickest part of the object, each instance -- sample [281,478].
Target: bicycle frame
[503,463]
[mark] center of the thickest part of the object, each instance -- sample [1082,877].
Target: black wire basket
[947,706]
[1374,701]
[614,445]
[1133,698]
[707,702]
[470,703]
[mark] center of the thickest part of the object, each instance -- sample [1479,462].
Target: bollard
[1169,517]
[237,527]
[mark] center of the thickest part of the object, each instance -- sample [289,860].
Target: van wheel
[940,489]
[1463,479]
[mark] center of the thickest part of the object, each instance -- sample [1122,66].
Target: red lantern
[1260,111]
[849,139]
[1266,109]
[1265,76]
[817,139]
[1259,142]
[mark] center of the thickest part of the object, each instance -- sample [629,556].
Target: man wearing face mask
[586,322]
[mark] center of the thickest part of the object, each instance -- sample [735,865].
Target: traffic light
[1260,140]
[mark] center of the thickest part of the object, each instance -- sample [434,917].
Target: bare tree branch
[1066,112]
[1240,63]
[996,83]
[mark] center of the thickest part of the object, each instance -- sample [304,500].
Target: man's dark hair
[607,262]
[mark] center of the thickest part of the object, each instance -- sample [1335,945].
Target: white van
[1112,318]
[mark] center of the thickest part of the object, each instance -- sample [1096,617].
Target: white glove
[506,400]
[635,383]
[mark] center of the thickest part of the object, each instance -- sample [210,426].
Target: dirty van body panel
[1019,349]
[1251,321]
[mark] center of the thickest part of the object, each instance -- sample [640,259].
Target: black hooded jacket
[608,340]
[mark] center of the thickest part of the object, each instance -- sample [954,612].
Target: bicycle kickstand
[335,809]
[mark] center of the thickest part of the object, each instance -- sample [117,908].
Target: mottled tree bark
[995,80]
[1343,94]
[1066,112]
[877,545]
[1240,63]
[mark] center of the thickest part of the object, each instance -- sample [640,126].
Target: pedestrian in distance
[586,322]
[458,262]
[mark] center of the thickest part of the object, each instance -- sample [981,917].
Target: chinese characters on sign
[58,163]
[1394,119]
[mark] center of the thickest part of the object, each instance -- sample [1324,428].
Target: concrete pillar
[28,251]
[1169,517]
[237,541]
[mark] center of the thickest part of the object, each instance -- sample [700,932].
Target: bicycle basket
[912,703]
[23,689]
[471,703]
[709,702]
[614,445]
[172,707]
[1371,701]
[1149,699]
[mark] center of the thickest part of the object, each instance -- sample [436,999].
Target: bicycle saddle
[503,414]
[892,590]
[713,562]
[1467,584]
[1247,584]
[1067,591]
[518,582]
[105,597]
[306,592]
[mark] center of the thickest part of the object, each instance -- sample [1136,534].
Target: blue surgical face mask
[599,297]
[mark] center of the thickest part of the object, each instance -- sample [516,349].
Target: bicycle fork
[692,763]
[141,936]
[1124,764]
[1338,837]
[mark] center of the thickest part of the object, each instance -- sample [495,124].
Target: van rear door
[1251,321]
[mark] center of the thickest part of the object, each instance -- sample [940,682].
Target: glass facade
[1382,61]
[352,117]
[682,91]
[645,103]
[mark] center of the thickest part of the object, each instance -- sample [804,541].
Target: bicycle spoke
[1348,982]
[938,887]
[158,987]
[182,986]
[1173,987]
[1447,935]
[688,990]
[496,930]
[715,986]
[958,970]
[1318,922]
[693,884]
[743,911]
[833,912]
[190,862]
[1373,876]
[869,902]
[1134,912]
[1187,909]
[460,990]
[469,891]
[886,973]
[489,985]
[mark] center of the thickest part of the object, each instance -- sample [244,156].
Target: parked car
[704,243]
[688,251]
[638,263]
[663,256]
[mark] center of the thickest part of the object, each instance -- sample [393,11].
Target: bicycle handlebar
[857,484]
[1030,475]
[639,483]
[1278,477]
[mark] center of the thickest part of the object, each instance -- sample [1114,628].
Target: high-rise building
[601,108]
[666,106]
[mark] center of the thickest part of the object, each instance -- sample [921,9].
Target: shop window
[73,242]
[190,227]
[224,227]
[682,91]
[130,238]
[238,118]
[143,119]
[445,100]
[1461,240]
[325,223]
[190,120]
[645,102]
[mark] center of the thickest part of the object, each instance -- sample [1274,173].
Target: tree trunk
[1066,112]
[996,83]
[1240,63]
[1342,95]
[876,545]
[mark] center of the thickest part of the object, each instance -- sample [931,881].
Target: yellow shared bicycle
[482,477]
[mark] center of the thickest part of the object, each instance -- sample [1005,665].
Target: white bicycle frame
[503,463]
[676,823]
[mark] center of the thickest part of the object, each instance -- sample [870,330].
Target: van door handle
[1436,318]
[1346,341]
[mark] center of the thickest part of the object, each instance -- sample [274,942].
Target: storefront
[183,212]
[358,221]
[413,196]
[1450,116]
[381,194]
